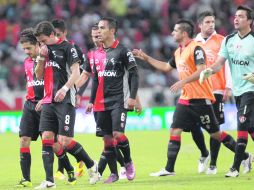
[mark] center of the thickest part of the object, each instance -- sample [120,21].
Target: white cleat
[46,185]
[247,164]
[122,173]
[202,164]
[93,173]
[162,172]
[232,173]
[212,170]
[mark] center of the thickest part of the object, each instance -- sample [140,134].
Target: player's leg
[66,114]
[48,127]
[182,119]
[120,160]
[29,130]
[218,108]
[244,115]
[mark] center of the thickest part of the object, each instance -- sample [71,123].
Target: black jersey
[61,56]
[110,73]
[35,87]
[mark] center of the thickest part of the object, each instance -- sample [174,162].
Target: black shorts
[245,111]
[112,120]
[218,108]
[30,120]
[192,117]
[58,118]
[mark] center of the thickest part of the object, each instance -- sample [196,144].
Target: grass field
[149,154]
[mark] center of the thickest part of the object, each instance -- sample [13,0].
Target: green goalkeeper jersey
[240,54]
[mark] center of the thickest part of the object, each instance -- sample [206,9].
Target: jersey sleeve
[223,49]
[81,55]
[129,59]
[172,62]
[72,55]
[86,64]
[199,55]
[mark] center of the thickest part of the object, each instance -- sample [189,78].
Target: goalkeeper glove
[205,74]
[249,77]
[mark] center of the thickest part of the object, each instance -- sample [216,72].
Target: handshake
[205,74]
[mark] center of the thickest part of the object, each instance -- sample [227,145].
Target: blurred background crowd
[145,24]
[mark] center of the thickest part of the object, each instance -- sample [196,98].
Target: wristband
[65,88]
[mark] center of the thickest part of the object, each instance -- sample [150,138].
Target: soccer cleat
[247,164]
[212,170]
[46,185]
[24,183]
[93,173]
[80,169]
[112,178]
[162,172]
[205,74]
[130,171]
[122,173]
[59,176]
[232,173]
[71,178]
[202,164]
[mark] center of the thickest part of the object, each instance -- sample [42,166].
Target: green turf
[149,154]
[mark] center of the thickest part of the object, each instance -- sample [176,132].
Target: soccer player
[114,90]
[194,107]
[61,32]
[86,73]
[221,84]
[237,48]
[29,125]
[59,63]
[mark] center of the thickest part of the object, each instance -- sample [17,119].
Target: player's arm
[41,59]
[82,79]
[138,105]
[159,65]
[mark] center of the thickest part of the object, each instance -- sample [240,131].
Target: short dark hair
[186,26]
[204,14]
[44,28]
[248,10]
[95,26]
[112,23]
[27,35]
[59,24]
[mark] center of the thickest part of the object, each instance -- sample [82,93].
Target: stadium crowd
[144,24]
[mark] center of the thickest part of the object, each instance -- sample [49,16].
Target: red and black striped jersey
[61,56]
[35,87]
[110,67]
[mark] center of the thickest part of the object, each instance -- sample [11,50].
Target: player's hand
[78,100]
[89,108]
[227,94]
[139,54]
[138,108]
[249,77]
[131,104]
[38,106]
[176,87]
[43,51]
[205,74]
[60,95]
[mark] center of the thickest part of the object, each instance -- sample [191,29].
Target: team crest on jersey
[66,128]
[242,119]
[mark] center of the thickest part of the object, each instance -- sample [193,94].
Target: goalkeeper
[237,48]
